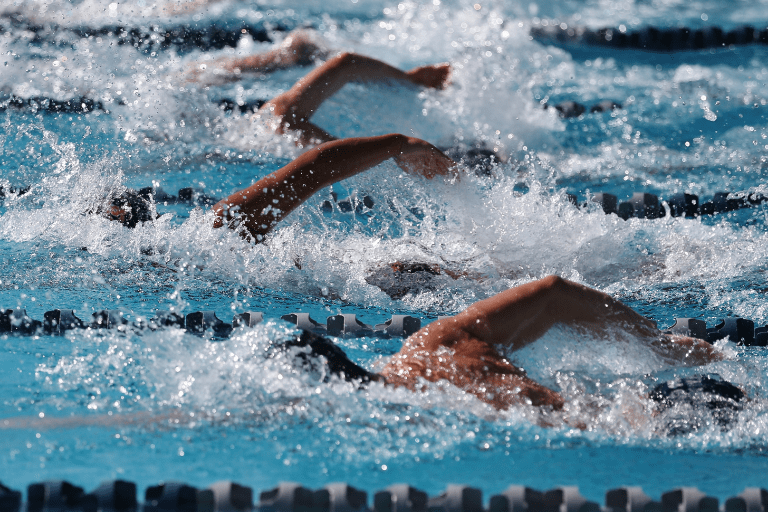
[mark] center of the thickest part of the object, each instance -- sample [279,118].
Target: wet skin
[294,108]
[462,349]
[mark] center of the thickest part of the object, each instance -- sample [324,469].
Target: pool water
[168,405]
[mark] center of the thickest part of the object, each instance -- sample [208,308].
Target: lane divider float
[227,496]
[652,39]
[59,321]
[344,325]
[643,205]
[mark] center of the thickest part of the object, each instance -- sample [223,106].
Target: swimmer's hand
[210,73]
[422,158]
[685,350]
[301,47]
[434,76]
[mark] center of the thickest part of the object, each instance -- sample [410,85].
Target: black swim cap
[136,205]
[479,159]
[400,278]
[568,109]
[717,398]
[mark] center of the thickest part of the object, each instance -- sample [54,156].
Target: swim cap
[706,396]
[400,278]
[479,160]
[136,206]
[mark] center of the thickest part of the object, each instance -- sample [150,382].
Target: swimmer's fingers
[428,162]
[215,72]
[418,156]
[435,76]
[686,350]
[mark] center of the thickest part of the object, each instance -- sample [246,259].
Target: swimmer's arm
[686,350]
[305,97]
[521,315]
[297,49]
[258,208]
[261,62]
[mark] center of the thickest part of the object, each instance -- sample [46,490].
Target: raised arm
[461,349]
[521,315]
[258,208]
[301,47]
[296,106]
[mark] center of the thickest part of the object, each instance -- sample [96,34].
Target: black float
[10,500]
[651,39]
[177,497]
[115,496]
[16,322]
[227,496]
[400,498]
[644,205]
[457,498]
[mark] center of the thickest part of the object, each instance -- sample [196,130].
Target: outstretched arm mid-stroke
[299,48]
[461,349]
[258,208]
[295,107]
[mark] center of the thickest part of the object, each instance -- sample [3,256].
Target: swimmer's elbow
[553,282]
[342,59]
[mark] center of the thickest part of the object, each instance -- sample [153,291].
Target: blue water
[150,406]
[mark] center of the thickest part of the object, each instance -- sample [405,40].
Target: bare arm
[297,105]
[258,208]
[297,49]
[516,318]
[520,315]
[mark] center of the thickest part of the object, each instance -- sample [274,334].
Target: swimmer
[464,350]
[293,109]
[301,47]
[256,210]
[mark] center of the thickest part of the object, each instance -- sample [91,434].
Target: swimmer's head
[402,277]
[685,404]
[478,159]
[130,208]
